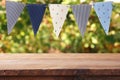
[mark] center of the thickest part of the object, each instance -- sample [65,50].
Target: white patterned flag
[13,11]
[104,12]
[81,13]
[58,13]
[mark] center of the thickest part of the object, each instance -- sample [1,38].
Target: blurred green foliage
[22,39]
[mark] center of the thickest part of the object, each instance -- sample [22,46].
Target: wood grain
[60,66]
[59,61]
[62,78]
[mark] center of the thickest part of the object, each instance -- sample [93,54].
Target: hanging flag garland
[81,13]
[58,14]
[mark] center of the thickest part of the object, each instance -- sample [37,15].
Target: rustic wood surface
[59,66]
[59,61]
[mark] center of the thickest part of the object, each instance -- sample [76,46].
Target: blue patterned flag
[13,11]
[81,13]
[36,12]
[104,12]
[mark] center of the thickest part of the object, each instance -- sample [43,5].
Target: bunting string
[58,14]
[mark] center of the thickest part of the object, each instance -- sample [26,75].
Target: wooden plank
[63,72]
[59,64]
[59,61]
[61,78]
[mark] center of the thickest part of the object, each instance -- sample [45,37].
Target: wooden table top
[18,62]
[59,61]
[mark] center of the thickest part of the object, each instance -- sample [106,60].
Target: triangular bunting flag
[104,12]
[82,13]
[13,11]
[36,12]
[58,13]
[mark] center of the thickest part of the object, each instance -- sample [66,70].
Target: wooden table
[60,67]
